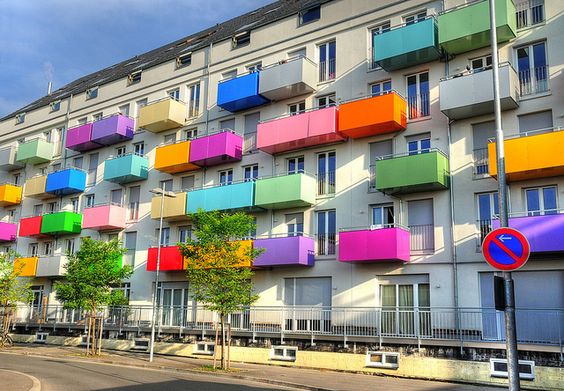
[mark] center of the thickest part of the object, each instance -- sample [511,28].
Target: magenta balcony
[8,231]
[104,217]
[219,148]
[112,130]
[79,138]
[303,130]
[285,251]
[374,245]
[544,233]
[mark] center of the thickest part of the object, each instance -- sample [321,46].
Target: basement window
[382,360]
[310,15]
[241,39]
[134,78]
[184,60]
[20,118]
[92,93]
[283,353]
[498,368]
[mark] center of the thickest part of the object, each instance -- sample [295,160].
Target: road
[68,375]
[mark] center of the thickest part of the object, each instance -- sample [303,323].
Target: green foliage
[218,261]
[91,273]
[13,289]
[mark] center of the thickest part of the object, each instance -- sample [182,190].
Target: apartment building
[357,133]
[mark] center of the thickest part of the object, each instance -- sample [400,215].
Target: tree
[91,273]
[218,264]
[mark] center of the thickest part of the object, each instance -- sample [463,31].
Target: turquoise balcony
[235,196]
[407,45]
[126,168]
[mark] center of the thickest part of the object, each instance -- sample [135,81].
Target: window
[295,224]
[77,162]
[229,75]
[170,138]
[82,121]
[310,15]
[97,116]
[130,243]
[326,229]
[227,124]
[241,39]
[51,207]
[250,172]
[120,151]
[89,200]
[532,67]
[326,101]
[326,165]
[481,133]
[398,298]
[194,102]
[378,150]
[541,201]
[16,178]
[308,291]
[184,60]
[250,132]
[187,182]
[166,184]
[226,177]
[254,67]
[56,167]
[189,134]
[421,226]
[529,13]
[55,106]
[414,18]
[134,193]
[48,248]
[32,250]
[184,233]
[69,246]
[139,148]
[296,108]
[92,169]
[20,118]
[535,122]
[47,136]
[11,213]
[419,144]
[57,141]
[297,53]
[92,93]
[481,62]
[382,28]
[116,196]
[75,204]
[381,88]
[174,94]
[488,207]
[418,95]
[140,104]
[165,236]
[295,165]
[134,78]
[327,61]
[383,216]
[37,209]
[124,110]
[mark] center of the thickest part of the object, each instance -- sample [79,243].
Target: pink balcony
[308,129]
[374,245]
[104,218]
[219,148]
[79,138]
[8,232]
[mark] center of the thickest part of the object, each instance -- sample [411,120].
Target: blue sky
[62,40]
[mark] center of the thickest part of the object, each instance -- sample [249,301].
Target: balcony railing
[326,243]
[418,106]
[326,183]
[481,162]
[422,238]
[484,227]
[327,70]
[249,142]
[533,80]
[529,13]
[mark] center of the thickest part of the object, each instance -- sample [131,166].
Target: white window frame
[297,108]
[223,176]
[540,193]
[194,91]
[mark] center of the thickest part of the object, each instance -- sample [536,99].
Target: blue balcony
[126,169]
[240,93]
[407,45]
[65,182]
[236,196]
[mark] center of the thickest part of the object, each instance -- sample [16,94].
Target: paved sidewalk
[302,378]
[17,381]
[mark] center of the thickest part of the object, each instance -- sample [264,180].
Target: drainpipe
[64,134]
[207,86]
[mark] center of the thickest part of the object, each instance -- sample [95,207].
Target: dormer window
[241,39]
[20,118]
[310,15]
[92,93]
[55,106]
[184,60]
[134,78]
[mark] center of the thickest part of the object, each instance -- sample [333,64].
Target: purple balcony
[112,130]
[544,233]
[80,138]
[374,245]
[220,148]
[8,232]
[285,251]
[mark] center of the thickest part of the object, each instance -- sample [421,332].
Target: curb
[36,384]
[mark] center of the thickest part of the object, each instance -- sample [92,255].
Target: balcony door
[378,150]
[418,95]
[173,300]
[421,226]
[310,302]
[36,307]
[532,68]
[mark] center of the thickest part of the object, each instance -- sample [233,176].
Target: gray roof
[249,21]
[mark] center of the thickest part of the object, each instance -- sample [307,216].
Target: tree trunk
[222,341]
[229,345]
[88,333]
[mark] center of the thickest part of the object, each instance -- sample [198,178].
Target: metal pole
[510,326]
[152,347]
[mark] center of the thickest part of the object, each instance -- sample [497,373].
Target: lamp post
[163,194]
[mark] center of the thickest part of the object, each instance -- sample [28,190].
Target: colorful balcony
[540,231]
[35,187]
[8,160]
[374,245]
[30,226]
[467,28]
[27,267]
[112,130]
[242,252]
[171,259]
[51,266]
[79,138]
[10,194]
[235,196]
[8,231]
[531,157]
[373,116]
[65,182]
[407,45]
[316,127]
[126,169]
[240,93]
[220,148]
[162,115]
[401,174]
[174,158]
[61,223]
[285,251]
[286,191]
[35,151]
[104,217]
[288,78]
[173,208]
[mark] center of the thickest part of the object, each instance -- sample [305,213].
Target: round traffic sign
[506,249]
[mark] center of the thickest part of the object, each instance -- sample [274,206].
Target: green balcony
[126,169]
[35,151]
[467,28]
[402,174]
[284,192]
[61,223]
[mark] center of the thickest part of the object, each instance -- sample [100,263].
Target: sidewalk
[16,381]
[301,378]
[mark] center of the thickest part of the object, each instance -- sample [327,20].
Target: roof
[249,21]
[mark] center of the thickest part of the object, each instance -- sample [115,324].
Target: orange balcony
[242,253]
[27,267]
[174,158]
[10,194]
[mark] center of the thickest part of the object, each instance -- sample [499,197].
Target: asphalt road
[67,375]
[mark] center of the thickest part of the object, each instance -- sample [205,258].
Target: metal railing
[529,13]
[327,70]
[533,80]
[422,237]
[326,243]
[326,183]
[418,106]
[535,326]
[481,162]
[249,142]
[485,227]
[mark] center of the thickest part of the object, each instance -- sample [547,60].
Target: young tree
[91,273]
[218,264]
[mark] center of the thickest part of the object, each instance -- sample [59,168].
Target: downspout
[206,99]
[64,135]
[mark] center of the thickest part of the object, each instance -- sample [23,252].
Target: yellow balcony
[174,158]
[10,194]
[162,115]
[531,156]
[35,187]
[173,208]
[27,267]
[242,254]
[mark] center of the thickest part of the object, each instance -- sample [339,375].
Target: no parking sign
[506,249]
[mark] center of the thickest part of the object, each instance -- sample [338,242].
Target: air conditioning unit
[204,348]
[41,338]
[498,368]
[284,353]
[141,344]
[382,360]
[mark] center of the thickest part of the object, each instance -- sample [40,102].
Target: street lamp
[163,194]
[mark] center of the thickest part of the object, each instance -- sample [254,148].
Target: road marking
[36,383]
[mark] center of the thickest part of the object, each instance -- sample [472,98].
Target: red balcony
[171,259]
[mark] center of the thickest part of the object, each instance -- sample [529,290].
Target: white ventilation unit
[382,360]
[498,368]
[41,338]
[204,348]
[283,353]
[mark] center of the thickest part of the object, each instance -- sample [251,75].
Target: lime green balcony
[286,191]
[467,27]
[425,171]
[61,223]
[35,151]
